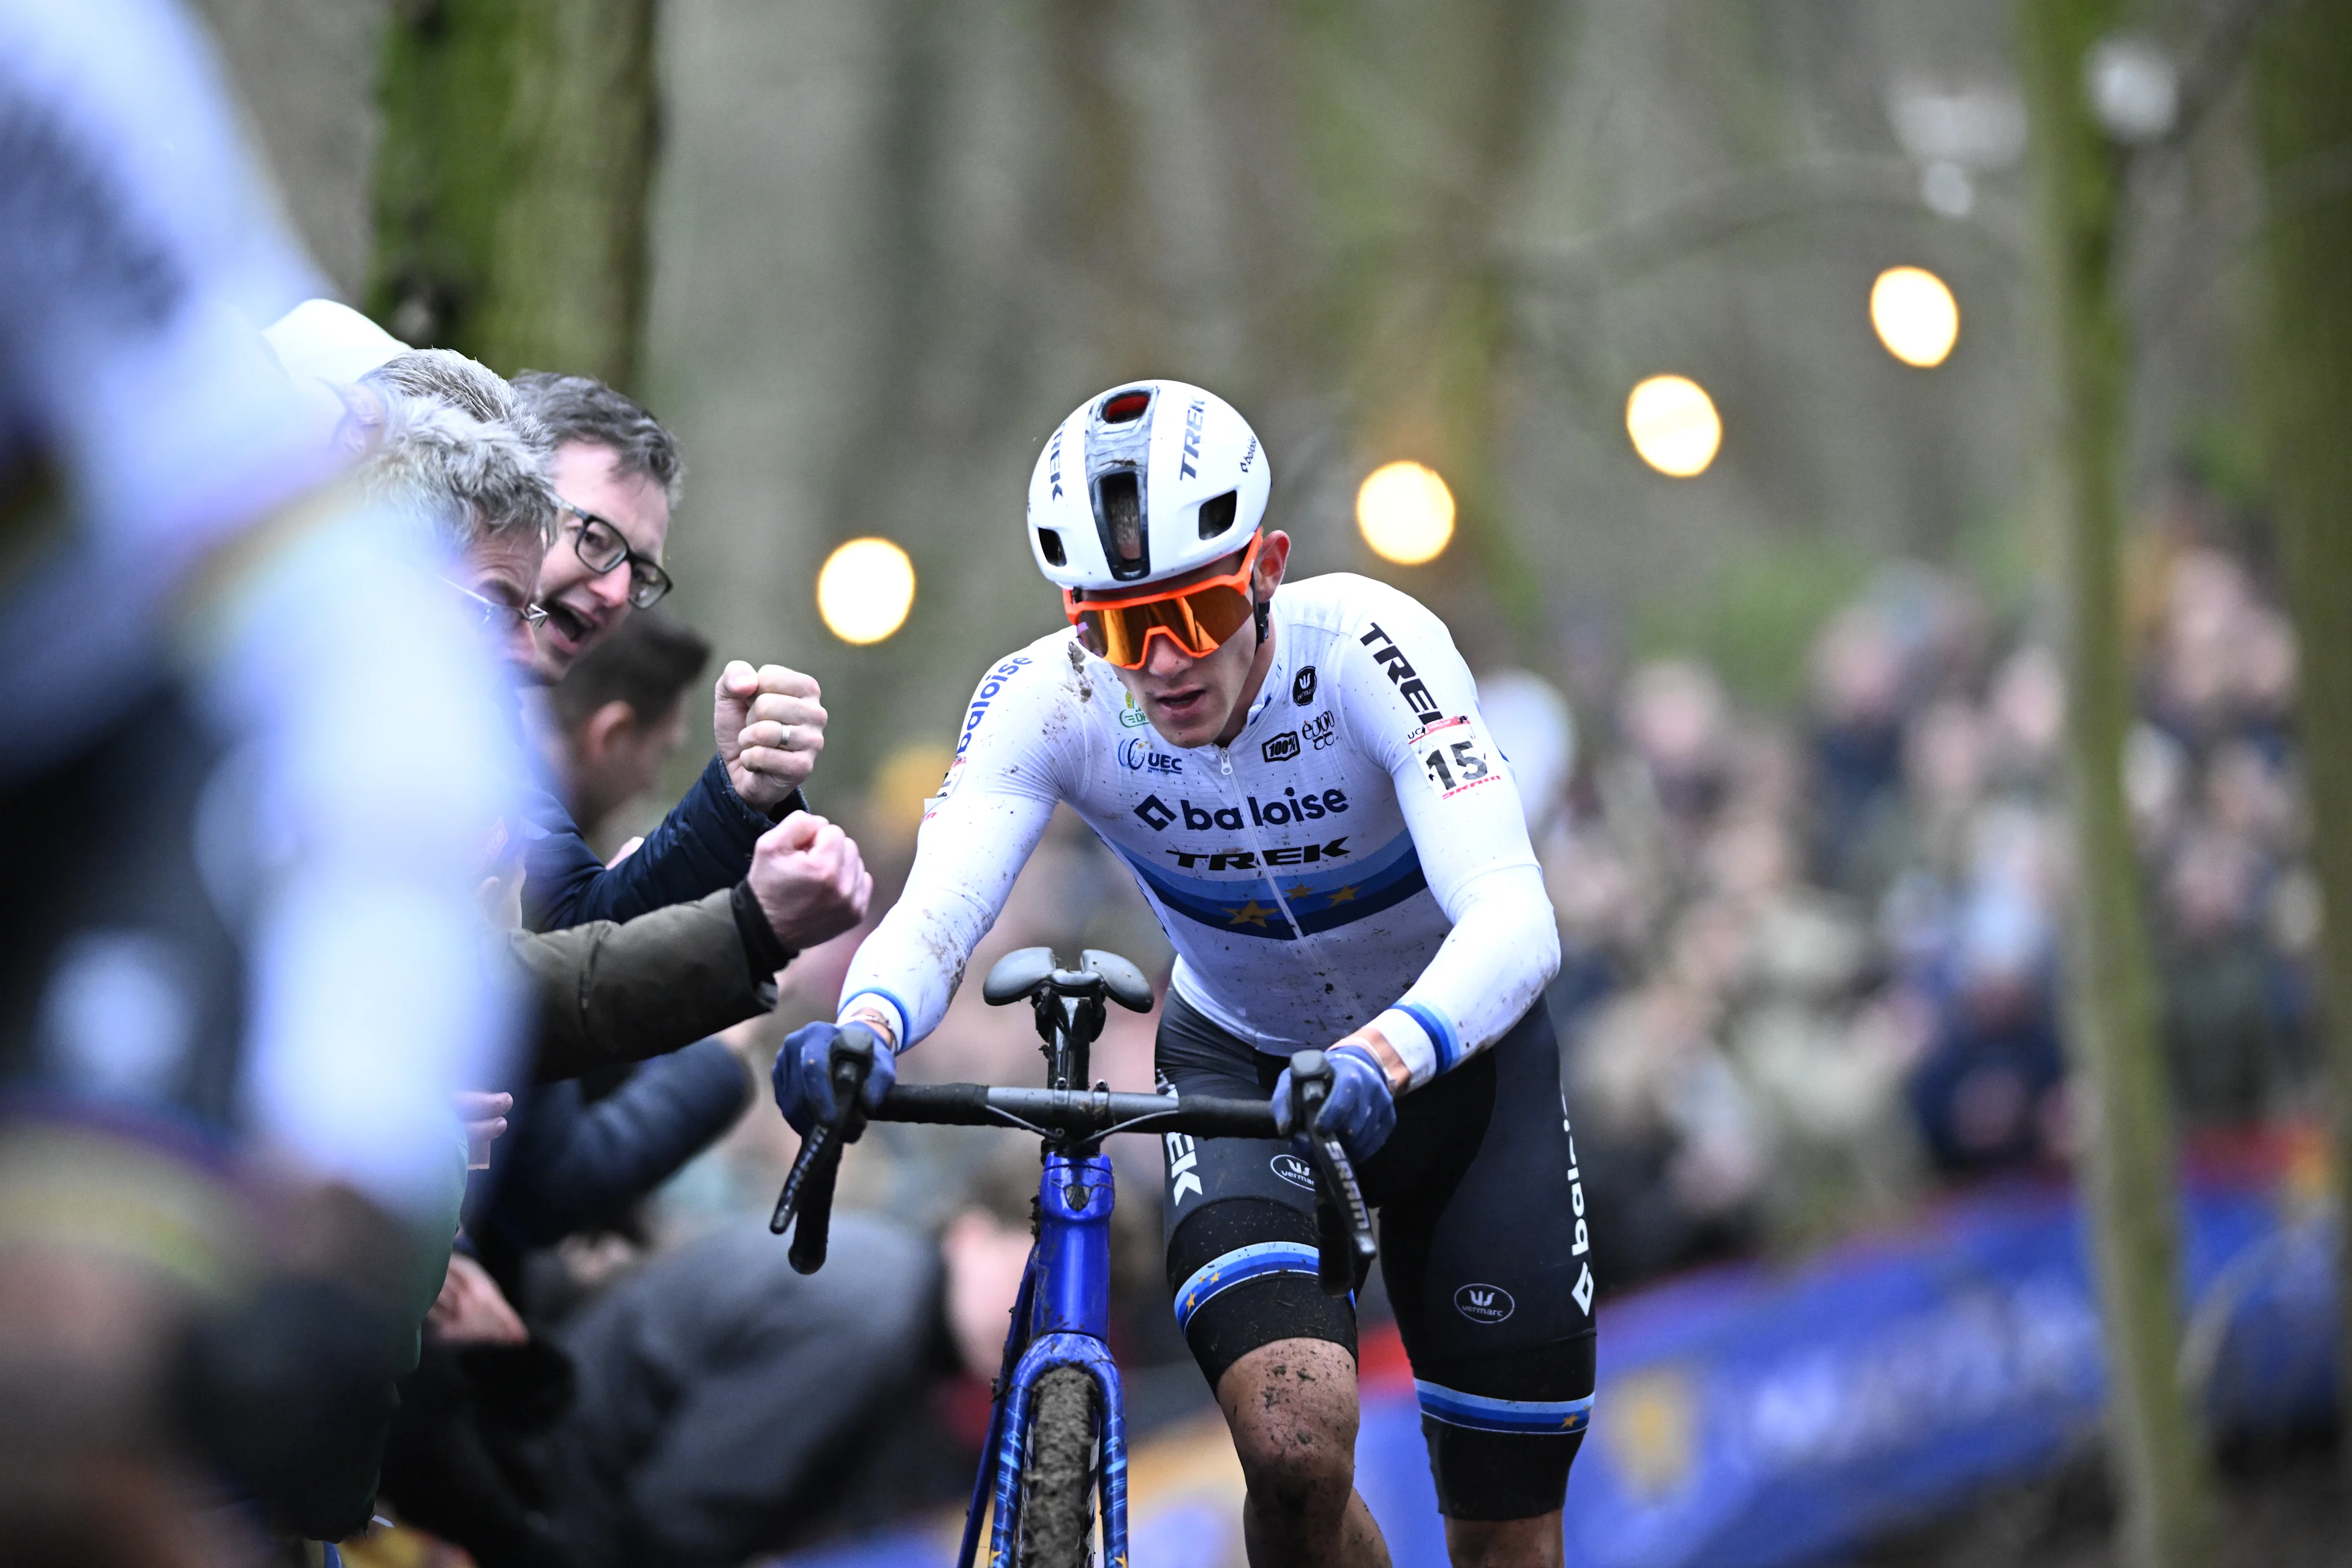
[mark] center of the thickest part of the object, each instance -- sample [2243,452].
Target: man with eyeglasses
[617,473]
[720,896]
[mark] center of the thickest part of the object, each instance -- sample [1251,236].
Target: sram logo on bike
[1484,1304]
[1454,757]
[1294,1170]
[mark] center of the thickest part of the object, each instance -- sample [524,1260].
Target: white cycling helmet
[1145,482]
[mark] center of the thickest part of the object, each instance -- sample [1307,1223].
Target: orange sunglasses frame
[1237,579]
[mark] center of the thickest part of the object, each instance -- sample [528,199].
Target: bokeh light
[907,780]
[865,590]
[1406,513]
[1674,424]
[1915,315]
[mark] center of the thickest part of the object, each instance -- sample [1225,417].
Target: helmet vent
[1049,545]
[1118,498]
[1125,407]
[1217,513]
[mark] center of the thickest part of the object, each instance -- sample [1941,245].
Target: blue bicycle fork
[1061,1318]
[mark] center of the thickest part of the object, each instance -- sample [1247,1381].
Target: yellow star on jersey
[1249,914]
[1301,890]
[1343,895]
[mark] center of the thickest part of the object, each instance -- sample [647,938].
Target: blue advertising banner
[1752,1419]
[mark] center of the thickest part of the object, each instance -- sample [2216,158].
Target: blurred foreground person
[244,973]
[1311,806]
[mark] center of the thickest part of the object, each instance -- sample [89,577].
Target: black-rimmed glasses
[601,548]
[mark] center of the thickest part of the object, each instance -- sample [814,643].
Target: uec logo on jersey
[1484,1304]
[1135,752]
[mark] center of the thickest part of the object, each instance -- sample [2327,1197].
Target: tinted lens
[1197,622]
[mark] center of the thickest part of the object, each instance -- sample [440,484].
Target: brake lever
[808,1189]
[1345,1247]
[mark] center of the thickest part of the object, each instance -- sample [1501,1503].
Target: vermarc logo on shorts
[1484,1304]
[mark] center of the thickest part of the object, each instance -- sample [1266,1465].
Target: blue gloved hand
[803,1074]
[1359,1112]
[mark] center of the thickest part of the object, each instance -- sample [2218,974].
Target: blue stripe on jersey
[905,1013]
[1442,1037]
[1239,1266]
[1479,1413]
[1320,900]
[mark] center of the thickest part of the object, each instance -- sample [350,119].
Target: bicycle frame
[1062,1315]
[1061,1318]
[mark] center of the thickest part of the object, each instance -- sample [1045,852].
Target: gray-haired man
[457,452]
[454,450]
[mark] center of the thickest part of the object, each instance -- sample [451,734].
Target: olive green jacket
[621,991]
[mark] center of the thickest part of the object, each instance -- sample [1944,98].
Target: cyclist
[1300,780]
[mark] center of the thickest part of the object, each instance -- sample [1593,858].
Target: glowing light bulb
[1674,424]
[865,590]
[1915,316]
[1405,512]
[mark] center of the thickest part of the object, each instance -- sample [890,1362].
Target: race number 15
[1452,756]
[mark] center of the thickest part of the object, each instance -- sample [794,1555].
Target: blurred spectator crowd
[1812,959]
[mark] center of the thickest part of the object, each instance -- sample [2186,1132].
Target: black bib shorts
[1484,1249]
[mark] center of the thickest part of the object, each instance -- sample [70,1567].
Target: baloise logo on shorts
[1484,1304]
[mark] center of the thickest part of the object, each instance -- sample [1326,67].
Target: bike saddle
[1023,971]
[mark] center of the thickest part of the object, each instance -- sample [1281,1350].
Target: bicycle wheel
[1057,1475]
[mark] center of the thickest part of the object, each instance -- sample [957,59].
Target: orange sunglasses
[1197,618]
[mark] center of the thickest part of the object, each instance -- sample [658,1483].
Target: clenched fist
[810,882]
[770,727]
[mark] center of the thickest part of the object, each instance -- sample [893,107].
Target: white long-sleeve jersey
[1359,838]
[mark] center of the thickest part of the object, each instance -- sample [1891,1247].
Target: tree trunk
[1420,310]
[518,152]
[2154,1444]
[2302,112]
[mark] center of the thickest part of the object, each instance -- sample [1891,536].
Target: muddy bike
[1057,1435]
